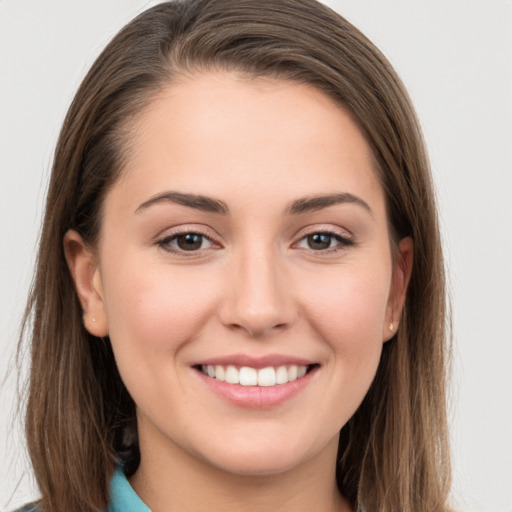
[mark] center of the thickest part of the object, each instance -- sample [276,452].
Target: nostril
[258,329]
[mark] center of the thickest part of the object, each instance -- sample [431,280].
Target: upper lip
[255,362]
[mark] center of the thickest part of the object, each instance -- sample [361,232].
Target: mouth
[256,382]
[269,376]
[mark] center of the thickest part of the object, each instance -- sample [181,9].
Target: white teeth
[282,375]
[301,371]
[266,377]
[292,373]
[247,376]
[220,373]
[232,375]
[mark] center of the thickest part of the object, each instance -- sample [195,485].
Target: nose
[258,295]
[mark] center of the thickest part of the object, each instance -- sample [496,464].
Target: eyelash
[165,243]
[343,242]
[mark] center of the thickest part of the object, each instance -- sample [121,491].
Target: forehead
[223,134]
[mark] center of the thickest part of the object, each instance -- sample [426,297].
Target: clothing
[122,497]
[27,508]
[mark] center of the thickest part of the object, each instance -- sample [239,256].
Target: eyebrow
[211,205]
[204,203]
[315,203]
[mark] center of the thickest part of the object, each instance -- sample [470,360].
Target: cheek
[348,308]
[152,314]
[348,316]
[156,309]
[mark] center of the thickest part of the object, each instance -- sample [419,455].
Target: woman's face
[246,240]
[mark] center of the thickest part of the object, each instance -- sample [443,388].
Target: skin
[255,286]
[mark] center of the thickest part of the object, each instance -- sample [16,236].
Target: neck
[176,480]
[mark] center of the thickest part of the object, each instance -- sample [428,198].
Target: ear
[402,268]
[85,272]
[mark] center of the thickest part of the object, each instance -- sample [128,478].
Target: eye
[185,242]
[323,241]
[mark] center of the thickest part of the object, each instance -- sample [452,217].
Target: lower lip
[257,397]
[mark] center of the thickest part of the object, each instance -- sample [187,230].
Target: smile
[256,382]
[248,376]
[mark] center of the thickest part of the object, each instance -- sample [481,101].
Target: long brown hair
[80,421]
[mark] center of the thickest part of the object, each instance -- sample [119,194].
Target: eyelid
[163,239]
[344,237]
[325,228]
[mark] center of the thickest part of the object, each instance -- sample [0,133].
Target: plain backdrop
[455,57]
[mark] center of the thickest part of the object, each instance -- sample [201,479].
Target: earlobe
[402,269]
[84,269]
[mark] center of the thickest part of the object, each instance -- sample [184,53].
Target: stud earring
[391,326]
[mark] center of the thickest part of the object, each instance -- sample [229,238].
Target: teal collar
[122,496]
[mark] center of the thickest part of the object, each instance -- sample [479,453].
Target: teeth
[219,373]
[282,375]
[292,372]
[232,375]
[247,376]
[267,377]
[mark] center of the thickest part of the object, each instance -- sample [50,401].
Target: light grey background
[455,57]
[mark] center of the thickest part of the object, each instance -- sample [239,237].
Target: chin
[248,465]
[260,459]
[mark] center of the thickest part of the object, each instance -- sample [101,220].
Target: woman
[239,298]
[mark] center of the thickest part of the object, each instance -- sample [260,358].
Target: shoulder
[31,507]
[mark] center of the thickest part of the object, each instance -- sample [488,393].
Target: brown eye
[324,241]
[319,241]
[189,241]
[185,242]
